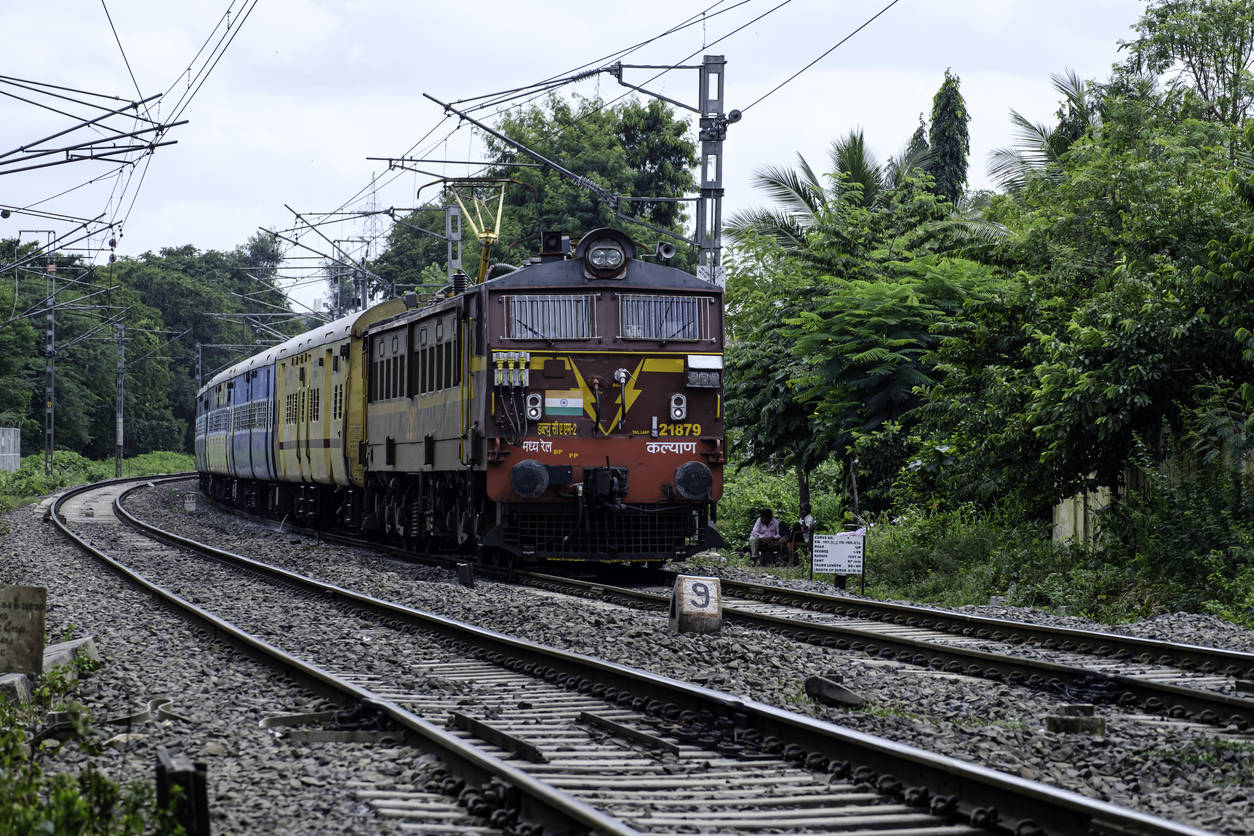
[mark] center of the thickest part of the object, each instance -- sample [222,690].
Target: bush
[39,800]
[1187,541]
[955,557]
[748,489]
[29,481]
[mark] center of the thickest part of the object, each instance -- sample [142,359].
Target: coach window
[432,382]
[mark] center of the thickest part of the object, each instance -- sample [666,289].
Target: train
[567,409]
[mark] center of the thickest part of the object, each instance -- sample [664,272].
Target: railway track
[1220,665]
[1107,673]
[536,737]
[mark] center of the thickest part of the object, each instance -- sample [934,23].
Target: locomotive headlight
[608,256]
[605,254]
[679,407]
[705,371]
[698,379]
[535,403]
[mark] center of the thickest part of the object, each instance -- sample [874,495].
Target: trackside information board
[840,554]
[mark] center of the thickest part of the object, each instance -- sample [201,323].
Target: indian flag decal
[563,402]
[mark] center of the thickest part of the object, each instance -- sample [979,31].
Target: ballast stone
[65,653]
[829,692]
[16,686]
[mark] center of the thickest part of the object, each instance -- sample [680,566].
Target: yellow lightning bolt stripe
[631,389]
[584,389]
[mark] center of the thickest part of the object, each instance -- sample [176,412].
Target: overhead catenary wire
[374,182]
[122,50]
[833,48]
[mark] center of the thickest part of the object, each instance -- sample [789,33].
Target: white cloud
[310,88]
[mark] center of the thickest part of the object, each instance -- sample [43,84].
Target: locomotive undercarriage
[425,511]
[610,532]
[447,512]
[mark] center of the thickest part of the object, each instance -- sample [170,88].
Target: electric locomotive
[570,409]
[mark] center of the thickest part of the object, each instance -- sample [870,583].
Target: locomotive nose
[693,480]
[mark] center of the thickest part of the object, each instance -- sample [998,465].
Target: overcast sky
[308,89]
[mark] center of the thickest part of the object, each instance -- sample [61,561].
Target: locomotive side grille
[604,534]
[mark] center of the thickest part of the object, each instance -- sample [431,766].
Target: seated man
[764,536]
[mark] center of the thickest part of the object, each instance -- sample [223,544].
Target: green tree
[950,144]
[767,421]
[17,347]
[630,150]
[801,194]
[1040,147]
[1209,42]
[1103,343]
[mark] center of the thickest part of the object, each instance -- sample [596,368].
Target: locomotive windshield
[549,317]
[664,317]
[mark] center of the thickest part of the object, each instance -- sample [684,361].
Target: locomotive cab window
[550,317]
[664,318]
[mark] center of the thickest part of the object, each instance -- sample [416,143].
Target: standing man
[765,535]
[800,534]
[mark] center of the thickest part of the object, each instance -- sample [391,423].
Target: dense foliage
[630,151]
[1086,332]
[168,301]
[29,482]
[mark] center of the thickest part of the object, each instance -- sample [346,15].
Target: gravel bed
[257,783]
[1178,771]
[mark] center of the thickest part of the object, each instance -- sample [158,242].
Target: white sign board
[840,554]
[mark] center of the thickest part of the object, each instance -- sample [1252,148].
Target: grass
[29,483]
[1234,758]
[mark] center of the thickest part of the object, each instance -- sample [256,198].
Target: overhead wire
[122,49]
[692,20]
[531,93]
[616,53]
[184,101]
[833,48]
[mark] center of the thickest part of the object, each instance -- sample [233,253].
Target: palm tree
[801,193]
[1040,147]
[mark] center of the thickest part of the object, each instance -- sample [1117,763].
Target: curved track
[679,755]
